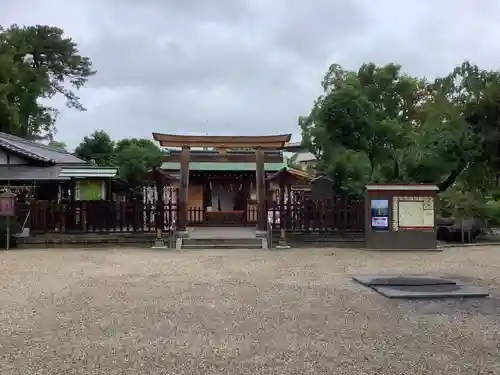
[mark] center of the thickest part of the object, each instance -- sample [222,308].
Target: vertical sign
[7,204]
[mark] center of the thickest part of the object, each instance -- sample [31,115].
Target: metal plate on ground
[431,291]
[401,280]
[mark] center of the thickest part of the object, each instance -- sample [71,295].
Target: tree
[98,147]
[36,63]
[473,94]
[57,145]
[367,115]
[142,143]
[378,125]
[9,115]
[135,157]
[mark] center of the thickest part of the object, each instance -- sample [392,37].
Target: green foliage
[458,203]
[462,204]
[38,62]
[491,214]
[98,147]
[133,157]
[57,144]
[379,125]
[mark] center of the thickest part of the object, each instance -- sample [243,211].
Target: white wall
[9,158]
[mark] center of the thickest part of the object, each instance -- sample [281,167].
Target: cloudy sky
[229,67]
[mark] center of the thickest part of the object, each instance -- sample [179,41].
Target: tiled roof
[14,172]
[304,157]
[293,171]
[294,147]
[37,151]
[87,171]
[29,173]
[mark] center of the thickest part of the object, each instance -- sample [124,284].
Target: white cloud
[245,67]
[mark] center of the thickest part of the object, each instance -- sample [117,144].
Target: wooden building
[46,176]
[49,174]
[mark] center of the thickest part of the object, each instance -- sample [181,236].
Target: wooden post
[261,190]
[289,211]
[73,213]
[160,206]
[183,190]
[283,216]
[282,205]
[59,192]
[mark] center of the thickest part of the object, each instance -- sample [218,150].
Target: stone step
[221,246]
[231,241]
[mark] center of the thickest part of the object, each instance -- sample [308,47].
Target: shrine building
[226,181]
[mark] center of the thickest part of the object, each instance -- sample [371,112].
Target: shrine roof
[292,172]
[277,141]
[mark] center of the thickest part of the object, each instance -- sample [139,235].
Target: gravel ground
[241,312]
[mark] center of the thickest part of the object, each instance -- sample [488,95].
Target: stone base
[264,243]
[159,244]
[178,243]
[261,233]
[282,246]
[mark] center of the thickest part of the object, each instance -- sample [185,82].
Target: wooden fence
[319,216]
[135,216]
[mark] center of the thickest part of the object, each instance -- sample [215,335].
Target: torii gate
[258,143]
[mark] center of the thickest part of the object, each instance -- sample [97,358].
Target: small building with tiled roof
[49,173]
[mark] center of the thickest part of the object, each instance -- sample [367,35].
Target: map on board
[416,214]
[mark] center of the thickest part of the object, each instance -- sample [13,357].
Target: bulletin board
[414,212]
[90,190]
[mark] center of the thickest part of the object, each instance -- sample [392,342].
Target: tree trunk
[372,166]
[450,180]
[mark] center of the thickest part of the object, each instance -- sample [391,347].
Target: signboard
[415,213]
[380,214]
[90,190]
[7,204]
[322,188]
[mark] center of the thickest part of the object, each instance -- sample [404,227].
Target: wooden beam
[230,142]
[228,158]
[261,190]
[160,205]
[183,190]
[282,204]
